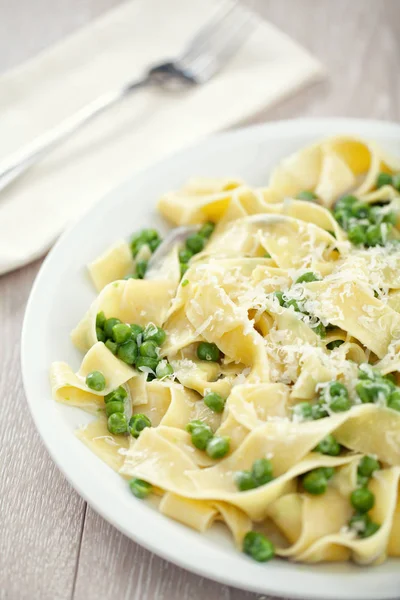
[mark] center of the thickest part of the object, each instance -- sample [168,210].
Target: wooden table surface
[52,545]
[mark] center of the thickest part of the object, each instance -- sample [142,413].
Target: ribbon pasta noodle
[254,378]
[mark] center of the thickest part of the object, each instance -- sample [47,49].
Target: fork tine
[218,40]
[203,36]
[222,45]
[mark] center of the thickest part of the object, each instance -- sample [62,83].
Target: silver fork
[174,237]
[205,55]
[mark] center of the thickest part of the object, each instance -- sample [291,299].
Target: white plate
[61,295]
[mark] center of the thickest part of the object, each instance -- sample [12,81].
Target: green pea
[373,391]
[128,352]
[149,349]
[396,181]
[207,229]
[262,471]
[108,326]
[258,546]
[384,179]
[183,268]
[100,319]
[164,369]
[303,411]
[209,352]
[114,407]
[357,234]
[140,488]
[280,297]
[342,217]
[119,395]
[391,379]
[368,465]
[155,334]
[195,243]
[347,201]
[153,244]
[328,472]
[319,411]
[358,522]
[360,210]
[334,344]
[315,482]
[394,400]
[150,234]
[101,336]
[307,195]
[148,362]
[117,423]
[137,423]
[337,389]
[121,333]
[112,346]
[201,435]
[218,446]
[143,237]
[244,481]
[136,330]
[362,480]
[364,393]
[390,218]
[374,235]
[362,499]
[319,329]
[340,404]
[370,529]
[329,446]
[185,282]
[214,401]
[193,424]
[141,268]
[96,381]
[376,215]
[307,277]
[185,255]
[338,397]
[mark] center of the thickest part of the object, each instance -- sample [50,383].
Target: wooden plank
[122,569]
[357,41]
[28,27]
[41,516]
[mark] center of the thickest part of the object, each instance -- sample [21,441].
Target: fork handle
[30,154]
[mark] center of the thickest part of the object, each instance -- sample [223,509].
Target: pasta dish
[248,371]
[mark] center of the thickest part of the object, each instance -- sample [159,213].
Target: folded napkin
[148,125]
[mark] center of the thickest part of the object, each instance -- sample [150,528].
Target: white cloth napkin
[143,128]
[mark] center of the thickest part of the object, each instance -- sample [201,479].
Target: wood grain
[41,516]
[137,574]
[357,41]
[51,547]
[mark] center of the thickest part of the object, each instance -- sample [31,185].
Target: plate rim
[291,128]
